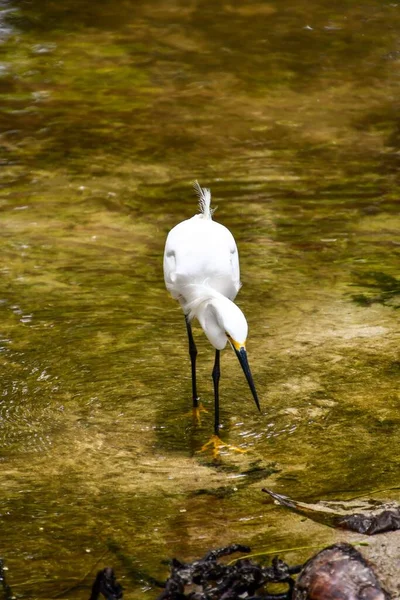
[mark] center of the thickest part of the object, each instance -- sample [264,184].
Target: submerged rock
[338,572]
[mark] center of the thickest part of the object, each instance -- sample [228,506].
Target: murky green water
[108,111]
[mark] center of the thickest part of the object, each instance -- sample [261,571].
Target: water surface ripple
[109,110]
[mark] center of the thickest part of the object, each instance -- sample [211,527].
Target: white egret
[201,271]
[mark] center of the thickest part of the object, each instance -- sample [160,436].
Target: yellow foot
[197,410]
[215,444]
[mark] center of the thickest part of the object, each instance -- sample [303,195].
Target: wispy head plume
[204,195]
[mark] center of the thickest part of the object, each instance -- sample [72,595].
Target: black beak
[242,356]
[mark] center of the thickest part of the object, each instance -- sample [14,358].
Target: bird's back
[201,251]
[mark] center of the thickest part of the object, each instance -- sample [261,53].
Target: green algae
[387,285]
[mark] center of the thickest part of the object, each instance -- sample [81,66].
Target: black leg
[216,375]
[193,354]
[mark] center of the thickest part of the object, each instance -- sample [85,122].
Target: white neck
[195,295]
[216,314]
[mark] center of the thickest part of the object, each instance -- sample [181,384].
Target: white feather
[204,195]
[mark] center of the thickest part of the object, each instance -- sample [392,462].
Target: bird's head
[223,321]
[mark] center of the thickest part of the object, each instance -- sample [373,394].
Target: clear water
[109,110]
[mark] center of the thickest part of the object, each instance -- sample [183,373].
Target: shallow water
[109,111]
